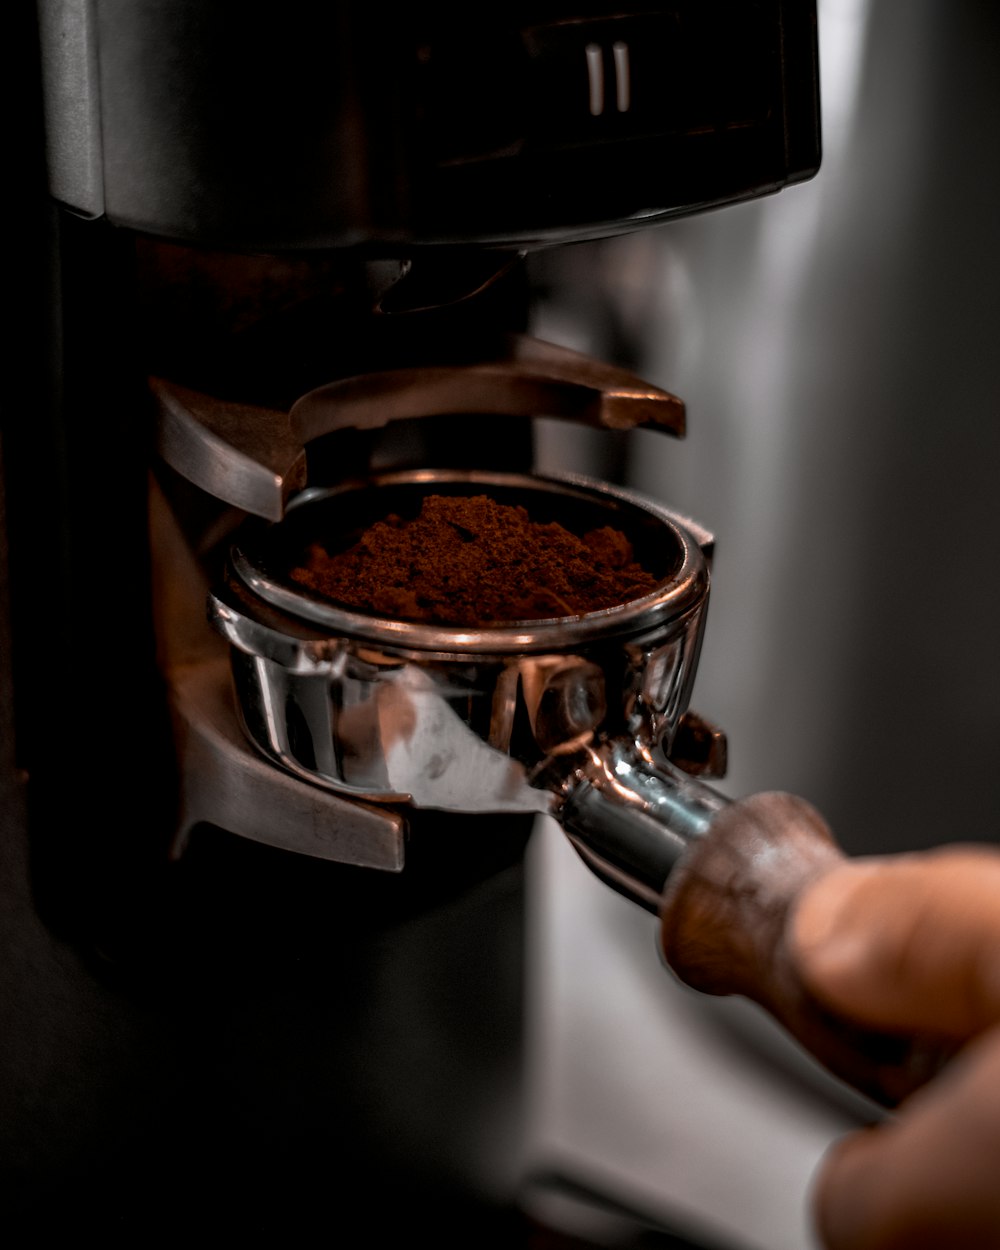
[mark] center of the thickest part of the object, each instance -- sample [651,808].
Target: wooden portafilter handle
[725,876]
[724,921]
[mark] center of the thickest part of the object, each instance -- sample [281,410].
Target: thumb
[905,942]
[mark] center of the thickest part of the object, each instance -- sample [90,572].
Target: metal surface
[226,783]
[71,99]
[357,124]
[254,458]
[631,817]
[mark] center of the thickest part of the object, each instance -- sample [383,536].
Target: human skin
[912,943]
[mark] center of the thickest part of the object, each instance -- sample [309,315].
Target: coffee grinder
[287,288]
[246,213]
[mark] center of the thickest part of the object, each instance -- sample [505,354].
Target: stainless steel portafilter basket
[573,716]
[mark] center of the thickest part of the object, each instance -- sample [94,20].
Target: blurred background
[836,346]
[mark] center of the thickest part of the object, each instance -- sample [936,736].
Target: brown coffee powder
[473,561]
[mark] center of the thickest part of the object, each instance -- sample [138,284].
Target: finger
[907,941]
[927,1180]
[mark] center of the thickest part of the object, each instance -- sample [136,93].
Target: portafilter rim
[682,590]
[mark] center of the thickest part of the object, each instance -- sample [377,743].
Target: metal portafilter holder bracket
[344,722]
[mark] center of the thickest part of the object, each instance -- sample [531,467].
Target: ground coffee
[469,560]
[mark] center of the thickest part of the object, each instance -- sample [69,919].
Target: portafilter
[583,718]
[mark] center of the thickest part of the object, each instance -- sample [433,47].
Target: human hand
[912,943]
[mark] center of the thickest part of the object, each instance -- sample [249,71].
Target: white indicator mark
[623,85]
[595,74]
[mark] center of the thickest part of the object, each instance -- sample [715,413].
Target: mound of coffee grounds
[472,561]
